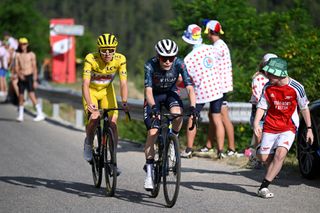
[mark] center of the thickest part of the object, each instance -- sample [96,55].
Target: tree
[21,19]
[289,33]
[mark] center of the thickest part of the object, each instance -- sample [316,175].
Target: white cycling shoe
[87,151]
[148,183]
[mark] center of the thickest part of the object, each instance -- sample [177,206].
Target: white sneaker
[148,183]
[20,118]
[186,154]
[87,151]
[40,117]
[265,193]
[231,153]
[221,155]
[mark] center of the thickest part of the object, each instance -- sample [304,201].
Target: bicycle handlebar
[102,111]
[172,116]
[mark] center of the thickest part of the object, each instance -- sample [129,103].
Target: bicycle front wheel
[157,169]
[97,160]
[110,163]
[171,170]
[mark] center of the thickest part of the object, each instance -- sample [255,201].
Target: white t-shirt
[4,57]
[13,43]
[222,53]
[202,67]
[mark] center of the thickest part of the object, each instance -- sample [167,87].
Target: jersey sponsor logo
[208,62]
[123,72]
[281,105]
[98,77]
[110,68]
[272,95]
[288,97]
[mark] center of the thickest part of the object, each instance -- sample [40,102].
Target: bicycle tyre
[97,160]
[110,163]
[157,172]
[171,168]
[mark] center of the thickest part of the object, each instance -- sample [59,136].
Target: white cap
[193,34]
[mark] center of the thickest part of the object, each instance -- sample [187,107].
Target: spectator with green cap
[282,98]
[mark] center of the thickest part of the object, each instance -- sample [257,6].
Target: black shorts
[224,99]
[168,100]
[215,106]
[27,83]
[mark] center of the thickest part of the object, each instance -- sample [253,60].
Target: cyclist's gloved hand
[125,106]
[154,111]
[193,111]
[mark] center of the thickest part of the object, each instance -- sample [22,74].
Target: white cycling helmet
[166,47]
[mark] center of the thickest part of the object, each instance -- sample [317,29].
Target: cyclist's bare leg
[149,146]
[217,121]
[176,123]
[92,125]
[228,127]
[113,125]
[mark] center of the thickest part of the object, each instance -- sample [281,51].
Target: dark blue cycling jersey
[163,81]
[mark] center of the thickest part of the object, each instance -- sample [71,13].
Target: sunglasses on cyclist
[105,51]
[166,58]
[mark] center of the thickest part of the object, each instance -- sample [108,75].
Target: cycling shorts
[168,100]
[103,99]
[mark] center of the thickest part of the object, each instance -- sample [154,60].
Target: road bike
[167,164]
[104,152]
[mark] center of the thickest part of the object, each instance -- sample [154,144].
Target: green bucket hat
[277,67]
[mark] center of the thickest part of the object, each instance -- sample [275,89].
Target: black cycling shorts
[168,100]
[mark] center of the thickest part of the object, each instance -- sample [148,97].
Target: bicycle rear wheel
[97,160]
[171,170]
[110,163]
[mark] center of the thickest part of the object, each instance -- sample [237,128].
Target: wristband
[309,127]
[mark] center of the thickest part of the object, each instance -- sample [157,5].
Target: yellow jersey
[100,73]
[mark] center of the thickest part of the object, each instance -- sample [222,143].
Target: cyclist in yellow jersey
[99,70]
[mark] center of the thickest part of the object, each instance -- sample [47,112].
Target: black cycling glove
[193,111]
[154,111]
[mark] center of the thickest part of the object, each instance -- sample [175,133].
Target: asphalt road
[42,170]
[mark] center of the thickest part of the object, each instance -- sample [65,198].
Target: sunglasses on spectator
[105,51]
[166,58]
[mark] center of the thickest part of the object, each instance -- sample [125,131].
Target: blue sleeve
[184,72]
[148,75]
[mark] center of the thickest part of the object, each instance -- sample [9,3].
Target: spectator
[222,53]
[259,80]
[11,45]
[282,98]
[28,75]
[4,57]
[202,67]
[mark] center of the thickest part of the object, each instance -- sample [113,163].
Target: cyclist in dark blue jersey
[161,75]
